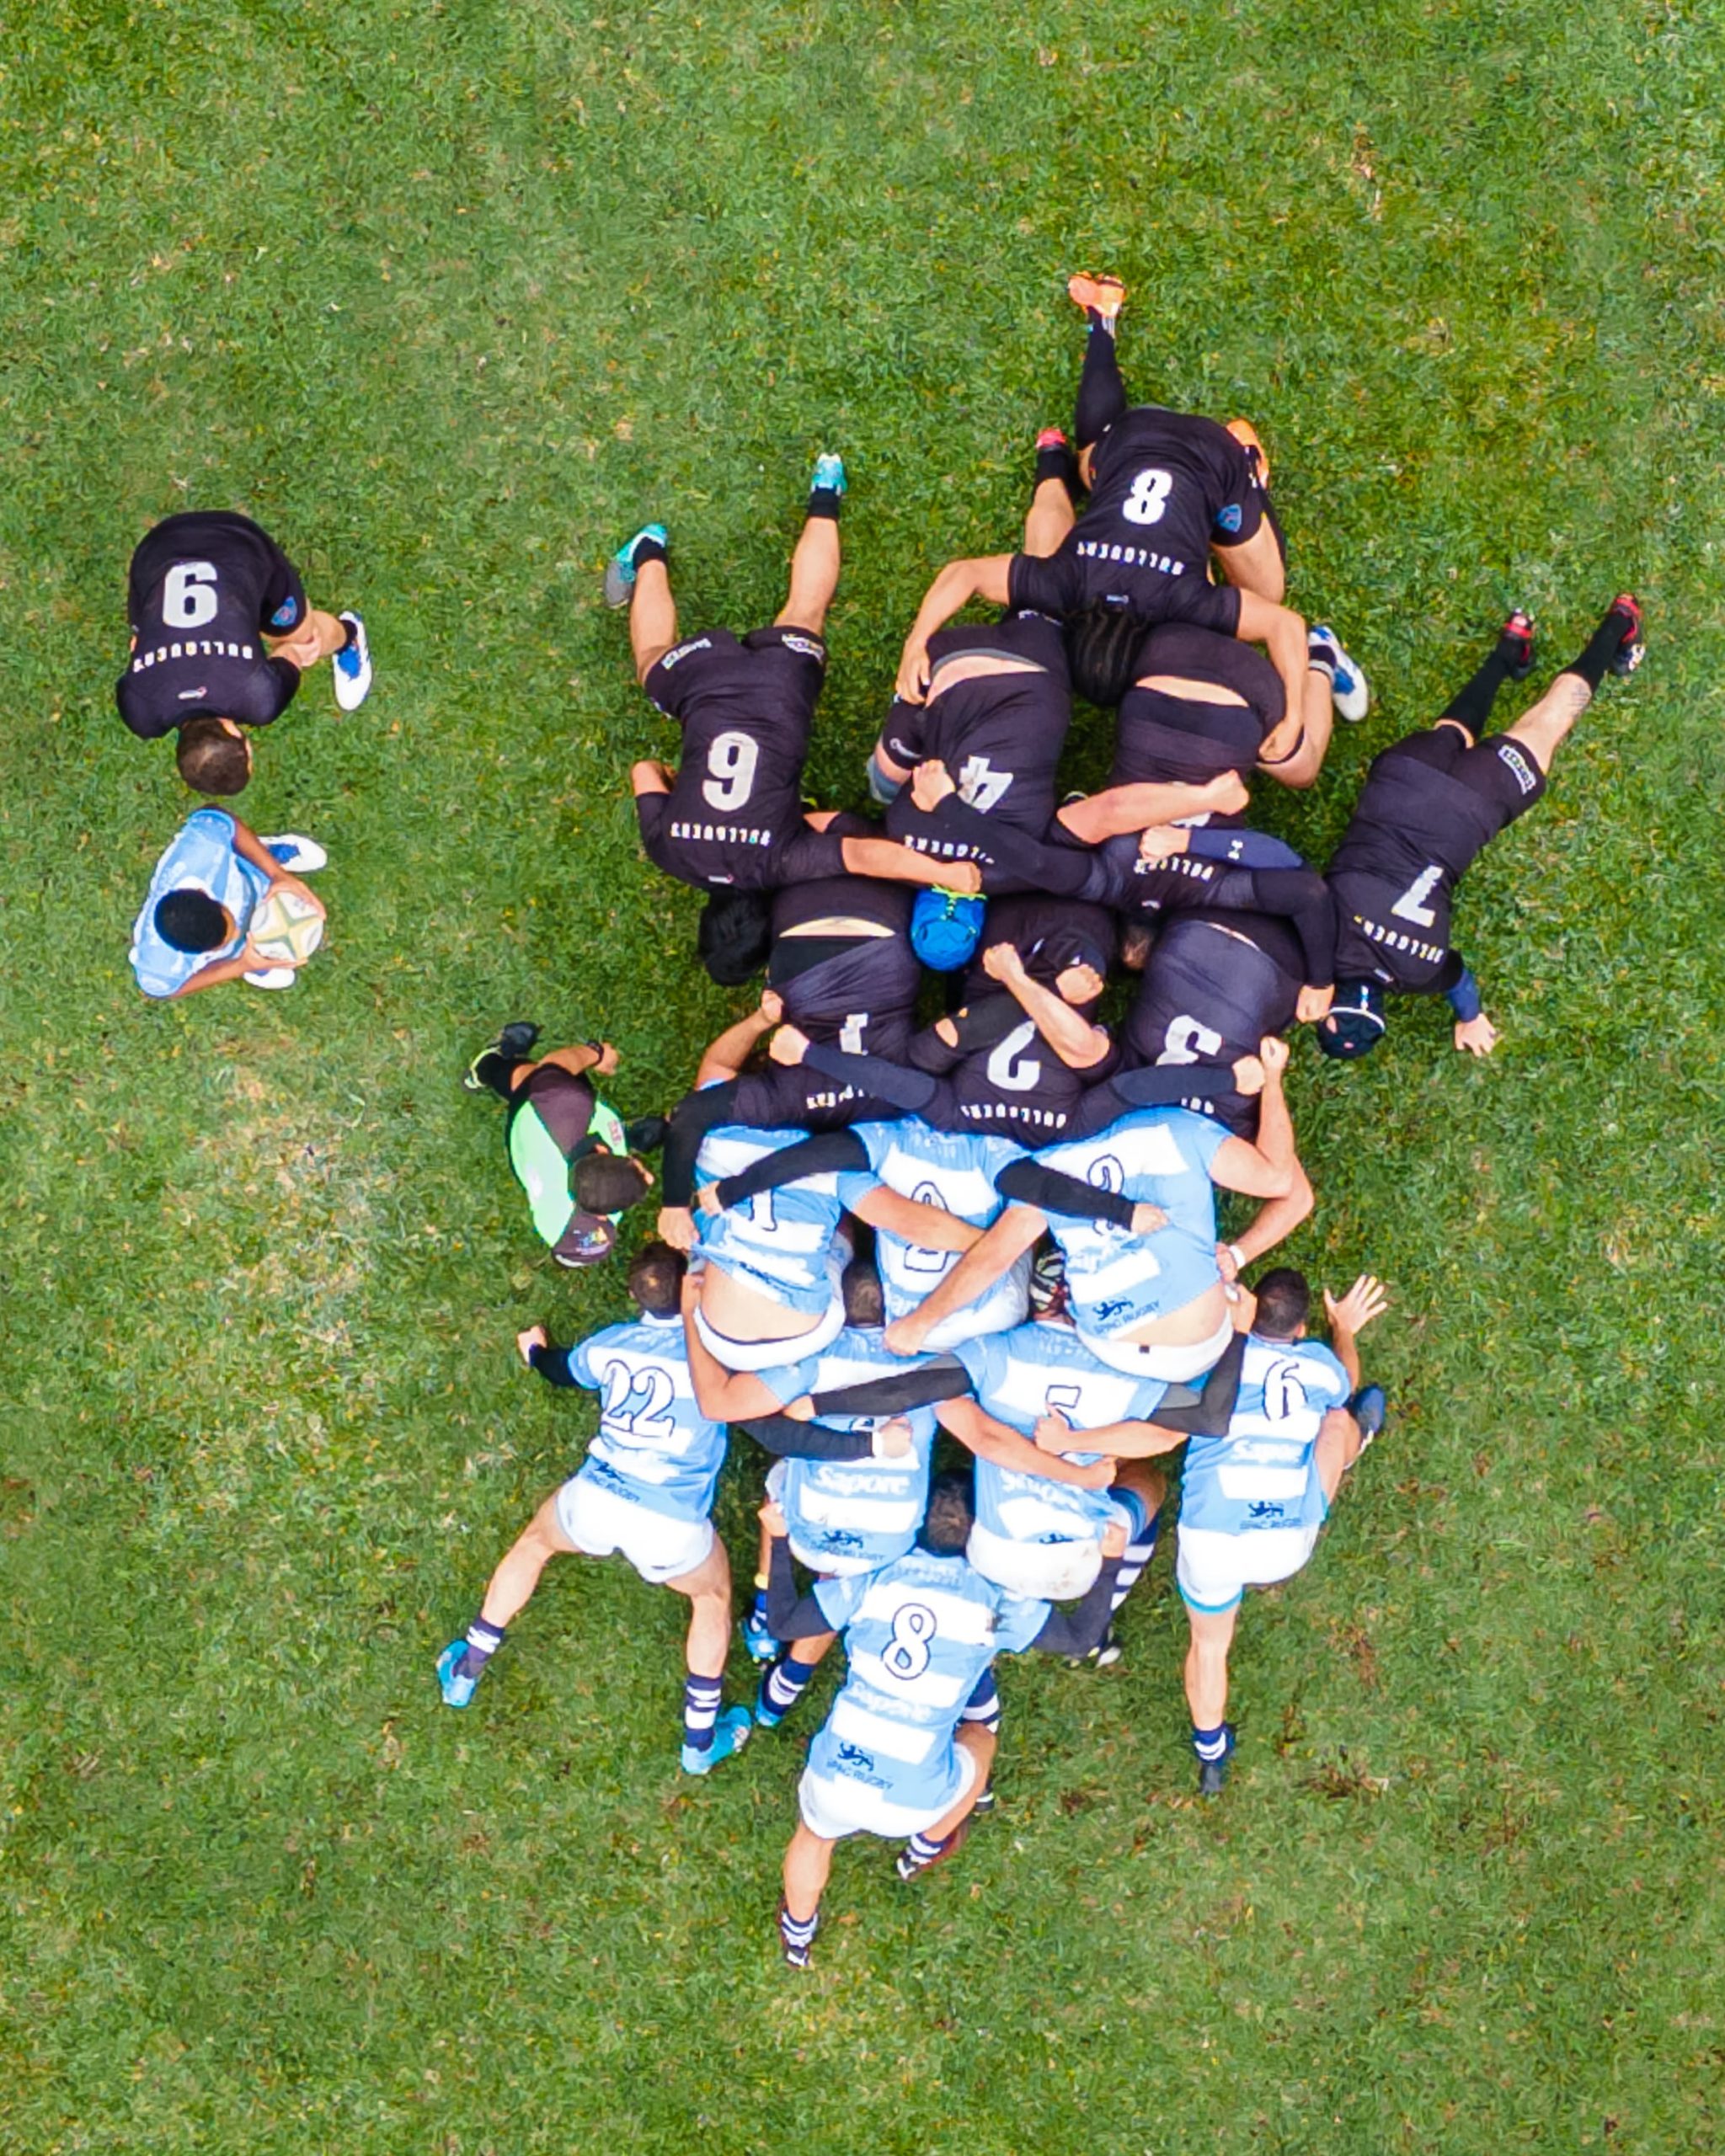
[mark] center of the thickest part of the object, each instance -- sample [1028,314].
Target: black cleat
[1369,1408]
[1515,640]
[646,1134]
[1633,649]
[516,1041]
[1104,1655]
[1213,1773]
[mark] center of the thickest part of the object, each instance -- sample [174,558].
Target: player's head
[609,1182]
[946,927]
[1135,940]
[214,755]
[735,935]
[193,921]
[1356,1021]
[655,1278]
[951,1514]
[1073,962]
[860,1286]
[1283,1304]
[1102,645]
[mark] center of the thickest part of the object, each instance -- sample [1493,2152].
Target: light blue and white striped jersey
[653,1446]
[855,1509]
[918,1635]
[779,1242]
[201,856]
[1260,1474]
[1047,1369]
[1158,1156]
[955,1170]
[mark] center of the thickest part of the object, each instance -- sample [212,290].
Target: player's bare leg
[931,1845]
[808,1867]
[815,559]
[1051,515]
[1206,1672]
[513,1582]
[708,1589]
[653,615]
[1616,646]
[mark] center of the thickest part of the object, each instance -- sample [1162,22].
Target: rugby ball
[286,928]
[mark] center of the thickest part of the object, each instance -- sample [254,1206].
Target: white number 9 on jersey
[189,594]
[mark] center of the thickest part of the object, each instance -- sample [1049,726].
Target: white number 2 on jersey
[1186,1039]
[189,594]
[1149,498]
[730,771]
[1009,1067]
[980,787]
[643,1418]
[1411,905]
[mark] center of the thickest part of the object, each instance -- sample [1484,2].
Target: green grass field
[450,297]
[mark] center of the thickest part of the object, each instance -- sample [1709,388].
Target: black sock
[1102,393]
[1472,705]
[824,501]
[492,1071]
[352,637]
[649,550]
[1602,647]
[1057,461]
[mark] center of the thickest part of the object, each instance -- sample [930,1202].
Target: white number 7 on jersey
[1411,905]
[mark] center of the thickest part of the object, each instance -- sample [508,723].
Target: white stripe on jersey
[1244,1484]
[1030,1519]
[860,1509]
[902,1741]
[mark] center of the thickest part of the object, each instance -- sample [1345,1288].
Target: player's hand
[1162,841]
[963,877]
[893,1439]
[772,1519]
[301,649]
[1099,1474]
[931,782]
[1053,1433]
[1364,1301]
[707,1200]
[1314,1003]
[1248,1075]
[912,683]
[788,1045]
[1273,1053]
[535,1335]
[1228,794]
[676,1226]
[1227,1264]
[1002,961]
[904,1336]
[1114,1538]
[772,1006]
[607,1065]
[801,1409]
[1147,1218]
[1476,1036]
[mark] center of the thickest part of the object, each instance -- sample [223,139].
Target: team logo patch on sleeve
[286,615]
[1229,519]
[806,645]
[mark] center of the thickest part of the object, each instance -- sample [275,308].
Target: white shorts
[833,1807]
[1213,1569]
[1002,1306]
[1155,1358]
[816,1561]
[600,1523]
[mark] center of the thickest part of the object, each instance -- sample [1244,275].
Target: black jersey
[204,591]
[1002,1075]
[1165,487]
[1430,806]
[1049,934]
[858,992]
[1214,984]
[1000,735]
[1161,738]
[746,706]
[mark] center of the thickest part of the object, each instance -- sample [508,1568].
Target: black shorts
[1500,771]
[774,672]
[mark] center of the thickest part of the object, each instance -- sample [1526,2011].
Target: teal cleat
[459,1689]
[620,569]
[829,474]
[730,1733]
[758,1642]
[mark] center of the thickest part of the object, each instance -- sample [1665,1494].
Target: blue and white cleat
[620,569]
[758,1642]
[829,474]
[1349,690]
[458,1689]
[353,666]
[300,857]
[730,1733]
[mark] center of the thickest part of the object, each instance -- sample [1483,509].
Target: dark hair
[608,1182]
[211,759]
[1284,1302]
[735,935]
[864,1304]
[655,1278]
[951,1514]
[1136,937]
[1103,644]
[191,920]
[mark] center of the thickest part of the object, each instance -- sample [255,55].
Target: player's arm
[553,1364]
[1051,1190]
[1350,1314]
[1268,1168]
[909,1090]
[990,1256]
[1119,1440]
[993,1440]
[1273,1224]
[833,1152]
[1073,1633]
[234,968]
[250,847]
[722,1396]
[791,1615]
[1282,633]
[922,1384]
[981,577]
[890,862]
[929,1227]
[787,1438]
[1079,1045]
[1147,804]
[1474,1033]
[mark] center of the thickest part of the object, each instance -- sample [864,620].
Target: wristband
[1238,1255]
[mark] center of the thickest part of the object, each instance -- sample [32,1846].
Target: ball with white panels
[286,928]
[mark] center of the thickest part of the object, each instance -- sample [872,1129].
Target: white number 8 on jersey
[907,1652]
[1148,497]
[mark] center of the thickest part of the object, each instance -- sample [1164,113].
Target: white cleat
[353,667]
[1349,690]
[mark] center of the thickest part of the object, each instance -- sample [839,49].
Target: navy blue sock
[701,1699]
[784,1684]
[1210,1744]
[484,1641]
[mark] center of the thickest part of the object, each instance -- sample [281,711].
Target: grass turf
[451,296]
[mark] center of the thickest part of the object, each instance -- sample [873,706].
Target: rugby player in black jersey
[1430,806]
[220,632]
[1165,489]
[730,818]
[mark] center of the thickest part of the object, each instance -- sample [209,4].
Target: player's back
[1213,984]
[780,1239]
[652,1435]
[919,1634]
[953,1171]
[1258,1474]
[198,592]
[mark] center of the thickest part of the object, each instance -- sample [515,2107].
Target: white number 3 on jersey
[1148,499]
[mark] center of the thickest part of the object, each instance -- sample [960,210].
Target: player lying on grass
[731,815]
[1166,488]
[579,1162]
[221,633]
[1252,1501]
[1149,1303]
[224,905]
[645,1490]
[1430,806]
[907,1748]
